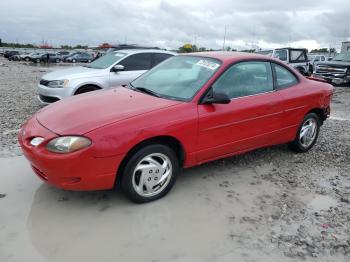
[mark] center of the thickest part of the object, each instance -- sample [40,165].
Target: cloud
[169,24]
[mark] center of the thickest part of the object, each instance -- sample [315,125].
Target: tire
[164,166]
[37,60]
[57,60]
[85,89]
[89,61]
[74,60]
[27,59]
[304,142]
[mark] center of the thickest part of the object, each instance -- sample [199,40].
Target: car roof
[135,51]
[228,56]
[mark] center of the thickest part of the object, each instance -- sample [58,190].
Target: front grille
[48,99]
[44,82]
[330,69]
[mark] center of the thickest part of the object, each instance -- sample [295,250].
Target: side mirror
[118,68]
[216,98]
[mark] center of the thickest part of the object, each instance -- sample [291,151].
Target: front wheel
[307,134]
[150,173]
[74,61]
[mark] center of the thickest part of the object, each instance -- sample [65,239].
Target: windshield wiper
[145,90]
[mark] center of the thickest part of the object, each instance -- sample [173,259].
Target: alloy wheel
[152,174]
[308,132]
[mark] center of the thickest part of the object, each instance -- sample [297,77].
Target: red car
[188,110]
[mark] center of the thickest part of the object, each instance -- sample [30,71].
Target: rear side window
[244,79]
[159,57]
[298,56]
[284,78]
[137,62]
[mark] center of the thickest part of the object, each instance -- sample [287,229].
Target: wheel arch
[301,70]
[167,140]
[85,85]
[320,112]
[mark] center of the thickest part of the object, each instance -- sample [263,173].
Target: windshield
[179,77]
[342,57]
[106,61]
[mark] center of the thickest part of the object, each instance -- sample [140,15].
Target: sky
[169,24]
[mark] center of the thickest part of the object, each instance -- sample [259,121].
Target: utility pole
[223,45]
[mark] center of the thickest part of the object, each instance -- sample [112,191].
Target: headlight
[68,144]
[58,83]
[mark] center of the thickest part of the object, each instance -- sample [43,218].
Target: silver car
[111,70]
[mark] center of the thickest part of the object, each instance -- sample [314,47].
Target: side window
[298,56]
[284,78]
[323,58]
[159,57]
[281,55]
[137,62]
[317,59]
[244,79]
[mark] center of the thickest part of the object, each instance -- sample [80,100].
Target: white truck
[295,57]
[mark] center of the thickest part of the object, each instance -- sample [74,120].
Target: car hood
[83,113]
[335,63]
[73,72]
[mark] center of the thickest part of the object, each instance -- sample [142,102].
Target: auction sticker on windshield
[208,64]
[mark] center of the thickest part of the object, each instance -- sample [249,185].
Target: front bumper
[48,95]
[331,78]
[79,170]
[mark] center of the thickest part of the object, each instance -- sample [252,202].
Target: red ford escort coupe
[188,110]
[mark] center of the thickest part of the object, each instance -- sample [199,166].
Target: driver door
[135,65]
[252,119]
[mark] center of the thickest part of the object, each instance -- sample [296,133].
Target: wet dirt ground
[267,205]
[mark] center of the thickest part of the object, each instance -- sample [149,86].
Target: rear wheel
[307,133]
[27,59]
[150,173]
[37,60]
[74,60]
[57,60]
[85,89]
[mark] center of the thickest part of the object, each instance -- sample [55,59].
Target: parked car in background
[113,69]
[8,54]
[314,60]
[189,110]
[64,57]
[47,58]
[29,57]
[336,71]
[16,57]
[295,57]
[81,58]
[63,53]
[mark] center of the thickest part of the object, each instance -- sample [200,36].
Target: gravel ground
[300,203]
